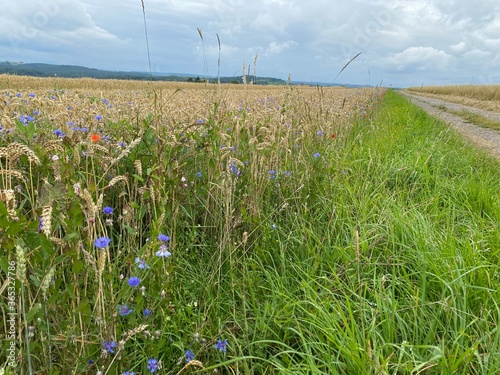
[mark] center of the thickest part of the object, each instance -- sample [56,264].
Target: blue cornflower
[163,252]
[128,373]
[26,119]
[98,117]
[31,95]
[272,174]
[59,133]
[189,355]
[199,175]
[124,310]
[109,346]
[102,242]
[317,155]
[152,365]
[200,121]
[141,264]
[287,173]
[147,312]
[233,168]
[221,345]
[36,112]
[134,281]
[320,133]
[163,237]
[107,210]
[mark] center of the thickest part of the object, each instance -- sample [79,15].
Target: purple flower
[107,210]
[189,355]
[98,117]
[221,345]
[163,237]
[134,281]
[59,133]
[141,264]
[102,242]
[317,155]
[128,373]
[152,365]
[147,312]
[163,252]
[109,346]
[26,119]
[31,95]
[124,310]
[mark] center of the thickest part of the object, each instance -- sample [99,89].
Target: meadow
[240,229]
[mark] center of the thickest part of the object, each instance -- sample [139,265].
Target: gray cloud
[402,42]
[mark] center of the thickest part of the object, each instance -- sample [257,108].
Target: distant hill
[75,71]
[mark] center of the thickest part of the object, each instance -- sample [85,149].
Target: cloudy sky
[402,42]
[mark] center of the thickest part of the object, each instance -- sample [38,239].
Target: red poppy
[333,136]
[95,138]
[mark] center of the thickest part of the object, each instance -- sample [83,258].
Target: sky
[402,43]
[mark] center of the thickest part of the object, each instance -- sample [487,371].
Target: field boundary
[483,138]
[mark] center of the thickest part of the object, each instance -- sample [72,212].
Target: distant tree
[190,79]
[197,80]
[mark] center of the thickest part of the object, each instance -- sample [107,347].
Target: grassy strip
[476,119]
[390,267]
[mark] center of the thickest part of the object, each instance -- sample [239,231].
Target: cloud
[276,47]
[401,41]
[420,58]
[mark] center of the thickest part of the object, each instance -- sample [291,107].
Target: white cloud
[400,40]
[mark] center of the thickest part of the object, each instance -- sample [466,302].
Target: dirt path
[484,138]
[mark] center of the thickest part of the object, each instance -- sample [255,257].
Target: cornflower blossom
[109,346]
[317,155]
[141,264]
[163,237]
[59,133]
[152,365]
[124,310]
[163,252]
[102,242]
[134,281]
[147,312]
[221,345]
[189,355]
[107,210]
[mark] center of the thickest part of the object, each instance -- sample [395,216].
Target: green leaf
[32,313]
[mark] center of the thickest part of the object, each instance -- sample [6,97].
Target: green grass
[379,256]
[477,119]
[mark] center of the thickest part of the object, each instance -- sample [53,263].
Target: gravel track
[484,138]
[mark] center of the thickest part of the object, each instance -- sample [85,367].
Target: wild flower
[102,242]
[59,133]
[221,345]
[128,373]
[317,155]
[134,281]
[163,237]
[320,133]
[152,365]
[109,346]
[31,95]
[233,168]
[26,119]
[95,138]
[107,210]
[98,117]
[272,174]
[147,312]
[199,174]
[141,264]
[189,355]
[163,252]
[124,310]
